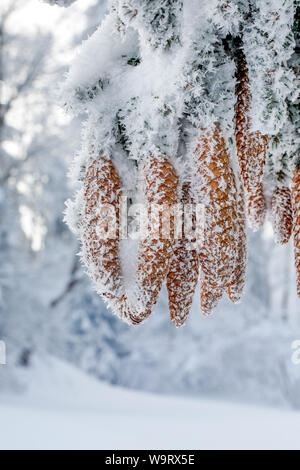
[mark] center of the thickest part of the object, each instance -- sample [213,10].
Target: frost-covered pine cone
[237,286]
[100,247]
[251,147]
[184,271]
[282,214]
[155,251]
[215,187]
[257,207]
[296,223]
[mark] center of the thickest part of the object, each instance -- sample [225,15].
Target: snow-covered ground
[65,409]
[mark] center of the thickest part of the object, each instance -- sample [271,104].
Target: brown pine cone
[156,250]
[257,207]
[282,214]
[216,188]
[251,147]
[100,241]
[237,286]
[100,235]
[184,270]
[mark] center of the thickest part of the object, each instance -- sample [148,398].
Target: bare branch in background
[73,281]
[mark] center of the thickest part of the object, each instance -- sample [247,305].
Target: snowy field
[65,409]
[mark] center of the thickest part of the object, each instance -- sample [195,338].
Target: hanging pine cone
[282,214]
[296,223]
[237,286]
[100,251]
[184,270]
[155,251]
[257,207]
[251,146]
[216,188]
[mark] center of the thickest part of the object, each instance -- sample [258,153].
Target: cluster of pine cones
[221,260]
